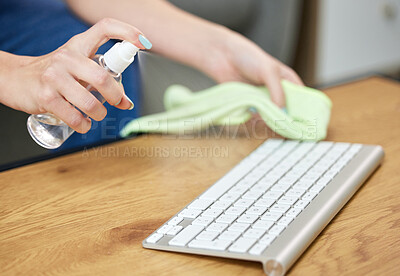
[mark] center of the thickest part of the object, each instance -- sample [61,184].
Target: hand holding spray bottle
[49,131]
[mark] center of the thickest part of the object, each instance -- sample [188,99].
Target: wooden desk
[87,213]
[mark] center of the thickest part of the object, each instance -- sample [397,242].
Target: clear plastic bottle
[49,131]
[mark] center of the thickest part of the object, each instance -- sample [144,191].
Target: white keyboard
[272,205]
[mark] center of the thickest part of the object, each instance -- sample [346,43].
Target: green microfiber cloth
[306,116]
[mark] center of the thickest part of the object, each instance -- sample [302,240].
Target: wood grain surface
[87,213]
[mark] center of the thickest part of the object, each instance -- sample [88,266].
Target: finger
[90,72]
[89,41]
[125,103]
[273,81]
[290,75]
[81,98]
[232,76]
[69,114]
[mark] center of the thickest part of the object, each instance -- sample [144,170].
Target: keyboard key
[276,229]
[301,204]
[273,216]
[287,180]
[344,159]
[230,197]
[200,204]
[256,210]
[263,224]
[238,190]
[273,195]
[287,200]
[239,227]
[190,213]
[174,230]
[293,212]
[204,221]
[311,175]
[268,180]
[212,213]
[324,146]
[303,184]
[260,188]
[207,235]
[186,235]
[253,177]
[295,193]
[164,229]
[242,245]
[276,173]
[235,210]
[280,207]
[221,205]
[218,245]
[255,174]
[254,233]
[247,218]
[272,143]
[272,178]
[227,218]
[217,227]
[267,238]
[312,194]
[247,183]
[280,188]
[285,220]
[317,170]
[317,188]
[355,147]
[229,235]
[323,181]
[264,202]
[175,221]
[258,248]
[331,173]
[337,167]
[295,172]
[154,238]
[252,195]
[340,147]
[244,203]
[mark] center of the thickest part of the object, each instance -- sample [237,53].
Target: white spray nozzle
[120,56]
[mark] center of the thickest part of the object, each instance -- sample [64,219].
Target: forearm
[9,65]
[174,33]
[222,54]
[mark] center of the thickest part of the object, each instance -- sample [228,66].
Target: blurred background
[327,42]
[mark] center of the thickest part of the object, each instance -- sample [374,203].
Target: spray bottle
[49,131]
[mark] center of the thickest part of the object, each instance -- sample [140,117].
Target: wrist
[7,63]
[10,71]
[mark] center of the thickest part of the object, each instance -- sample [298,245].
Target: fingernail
[118,102]
[132,105]
[145,42]
[253,109]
